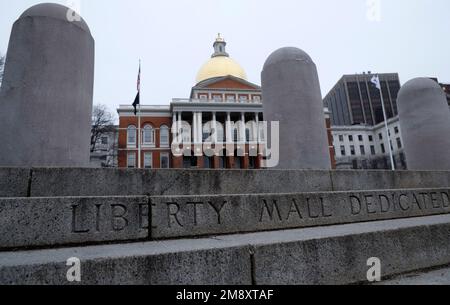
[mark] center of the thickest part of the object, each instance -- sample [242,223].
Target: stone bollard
[425,124]
[291,96]
[46,96]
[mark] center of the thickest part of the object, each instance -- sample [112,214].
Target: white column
[228,128]
[243,129]
[194,128]
[214,127]
[179,126]
[200,127]
[256,128]
[174,127]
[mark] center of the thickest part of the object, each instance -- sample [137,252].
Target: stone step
[57,182]
[437,276]
[326,255]
[49,222]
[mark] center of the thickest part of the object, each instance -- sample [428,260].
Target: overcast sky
[174,38]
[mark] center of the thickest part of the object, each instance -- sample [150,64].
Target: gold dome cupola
[220,64]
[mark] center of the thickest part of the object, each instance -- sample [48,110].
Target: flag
[376,81]
[137,100]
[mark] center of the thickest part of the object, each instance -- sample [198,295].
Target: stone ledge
[64,221]
[178,216]
[51,222]
[328,255]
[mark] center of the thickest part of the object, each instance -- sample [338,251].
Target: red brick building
[219,126]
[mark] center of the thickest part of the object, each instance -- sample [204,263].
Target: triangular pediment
[227,82]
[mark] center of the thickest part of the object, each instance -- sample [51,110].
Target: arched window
[131,135]
[164,135]
[148,135]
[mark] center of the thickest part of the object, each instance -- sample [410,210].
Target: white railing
[217,101]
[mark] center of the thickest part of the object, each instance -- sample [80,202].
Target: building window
[343,153]
[383,150]
[252,162]
[363,150]
[148,160]
[350,138]
[380,136]
[104,140]
[149,135]
[165,160]
[238,162]
[370,138]
[360,138]
[231,98]
[217,98]
[131,135]
[203,97]
[131,160]
[208,162]
[396,130]
[257,99]
[341,138]
[243,99]
[399,143]
[352,150]
[164,135]
[372,150]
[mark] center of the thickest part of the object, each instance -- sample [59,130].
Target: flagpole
[139,122]
[386,126]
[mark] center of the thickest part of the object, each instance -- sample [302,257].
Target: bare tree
[2,67]
[102,123]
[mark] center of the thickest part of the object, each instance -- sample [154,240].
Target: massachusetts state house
[224,110]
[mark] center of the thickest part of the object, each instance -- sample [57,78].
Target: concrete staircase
[221,227]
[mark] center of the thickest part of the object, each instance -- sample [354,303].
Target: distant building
[105,152]
[354,100]
[221,97]
[365,147]
[357,122]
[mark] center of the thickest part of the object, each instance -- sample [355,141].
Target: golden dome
[220,64]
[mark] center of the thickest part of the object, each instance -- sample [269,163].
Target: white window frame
[146,129]
[164,144]
[129,129]
[148,153]
[231,98]
[133,154]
